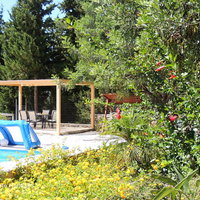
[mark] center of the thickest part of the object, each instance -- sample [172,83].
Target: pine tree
[6,103]
[1,34]
[32,49]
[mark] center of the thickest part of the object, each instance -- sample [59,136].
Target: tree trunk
[36,99]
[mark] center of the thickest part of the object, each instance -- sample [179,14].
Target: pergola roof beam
[39,82]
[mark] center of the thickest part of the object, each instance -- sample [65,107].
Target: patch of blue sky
[8,4]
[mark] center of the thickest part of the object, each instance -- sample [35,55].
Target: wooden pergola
[51,82]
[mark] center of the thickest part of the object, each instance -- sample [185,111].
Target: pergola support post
[92,115]
[58,109]
[19,100]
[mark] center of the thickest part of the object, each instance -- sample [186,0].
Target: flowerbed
[107,173]
[101,174]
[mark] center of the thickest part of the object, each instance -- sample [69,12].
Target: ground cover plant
[101,174]
[107,173]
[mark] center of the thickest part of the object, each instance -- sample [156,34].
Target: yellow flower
[130,171]
[164,163]
[131,187]
[58,198]
[8,181]
[142,179]
[3,197]
[17,191]
[155,167]
[122,195]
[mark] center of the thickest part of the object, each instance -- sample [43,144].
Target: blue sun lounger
[19,132]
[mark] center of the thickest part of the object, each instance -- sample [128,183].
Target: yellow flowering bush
[57,174]
[104,174]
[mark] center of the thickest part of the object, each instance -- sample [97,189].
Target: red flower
[160,68]
[173,117]
[158,63]
[118,116]
[172,76]
[118,111]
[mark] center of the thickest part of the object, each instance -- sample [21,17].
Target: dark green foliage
[106,35]
[72,8]
[170,35]
[1,34]
[31,48]
[121,41]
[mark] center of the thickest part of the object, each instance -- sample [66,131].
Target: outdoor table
[43,118]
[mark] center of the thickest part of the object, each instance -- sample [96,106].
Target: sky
[8,4]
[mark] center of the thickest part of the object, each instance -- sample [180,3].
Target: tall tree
[6,103]
[31,47]
[72,8]
[120,39]
[106,38]
[1,35]
[73,11]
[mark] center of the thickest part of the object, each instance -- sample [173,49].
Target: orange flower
[122,195]
[161,135]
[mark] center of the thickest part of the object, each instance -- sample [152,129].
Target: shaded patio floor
[66,128]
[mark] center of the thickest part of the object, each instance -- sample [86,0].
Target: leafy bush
[134,121]
[174,139]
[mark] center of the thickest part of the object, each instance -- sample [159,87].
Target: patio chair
[24,115]
[52,120]
[33,118]
[45,117]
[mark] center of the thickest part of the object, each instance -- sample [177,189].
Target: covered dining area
[55,83]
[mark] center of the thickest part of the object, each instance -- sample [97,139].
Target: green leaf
[163,193]
[165,179]
[173,195]
[179,173]
[68,20]
[186,180]
[198,183]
